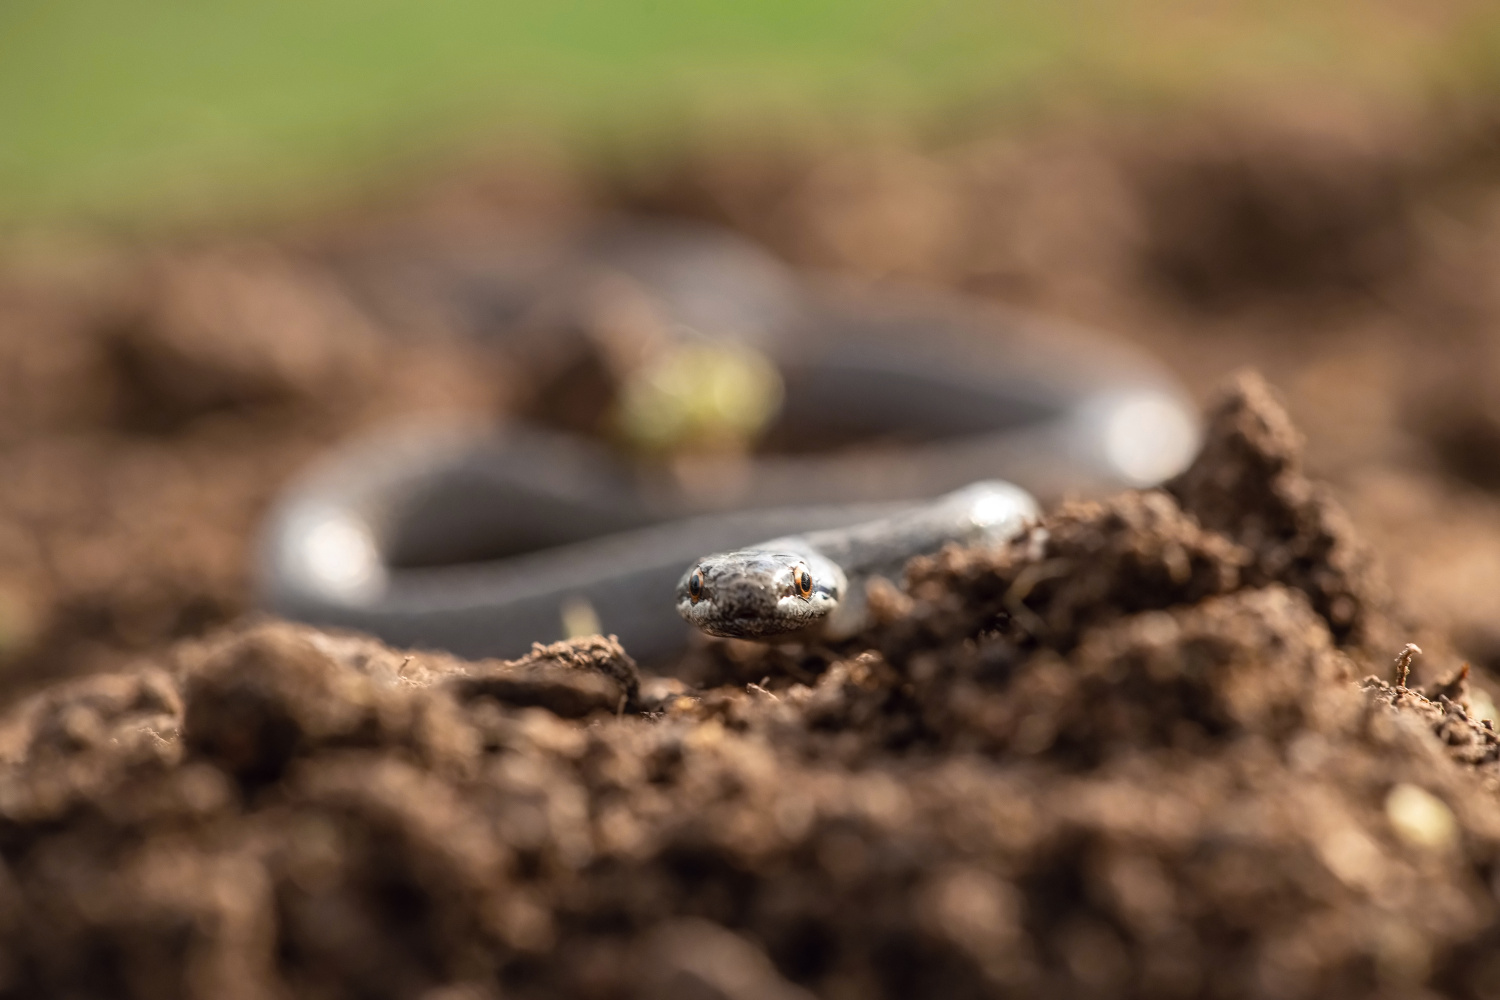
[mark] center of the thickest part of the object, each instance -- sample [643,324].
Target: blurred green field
[164,110]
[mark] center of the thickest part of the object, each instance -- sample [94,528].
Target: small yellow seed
[1421,818]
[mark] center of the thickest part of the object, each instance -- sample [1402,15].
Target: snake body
[813,585]
[482,541]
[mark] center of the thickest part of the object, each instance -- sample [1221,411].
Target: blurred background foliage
[158,111]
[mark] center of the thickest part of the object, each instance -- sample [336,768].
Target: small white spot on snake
[340,555]
[1149,437]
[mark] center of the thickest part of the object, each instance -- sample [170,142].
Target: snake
[814,586]
[483,540]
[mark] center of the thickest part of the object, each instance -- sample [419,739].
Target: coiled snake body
[482,541]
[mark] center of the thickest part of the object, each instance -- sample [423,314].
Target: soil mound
[1128,755]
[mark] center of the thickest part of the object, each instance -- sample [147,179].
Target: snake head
[755,594]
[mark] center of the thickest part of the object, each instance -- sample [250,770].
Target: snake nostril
[695,586]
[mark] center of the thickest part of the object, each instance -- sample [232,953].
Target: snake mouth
[787,620]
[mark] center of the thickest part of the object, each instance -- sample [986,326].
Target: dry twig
[1403,662]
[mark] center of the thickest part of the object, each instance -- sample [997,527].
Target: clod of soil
[1314,216]
[235,330]
[1126,756]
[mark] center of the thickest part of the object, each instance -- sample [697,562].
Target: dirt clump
[1125,756]
[1249,484]
[1229,220]
[235,329]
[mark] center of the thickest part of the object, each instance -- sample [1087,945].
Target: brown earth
[1131,755]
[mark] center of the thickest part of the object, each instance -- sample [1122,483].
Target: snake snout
[752,595]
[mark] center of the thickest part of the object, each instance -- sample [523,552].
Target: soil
[1156,747]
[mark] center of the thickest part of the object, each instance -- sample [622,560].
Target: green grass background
[140,111]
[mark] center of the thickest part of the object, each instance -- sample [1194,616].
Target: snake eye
[695,586]
[802,580]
